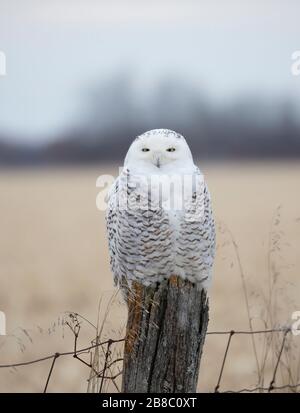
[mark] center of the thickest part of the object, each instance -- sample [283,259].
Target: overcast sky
[56,49]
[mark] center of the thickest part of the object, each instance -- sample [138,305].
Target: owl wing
[208,222]
[139,236]
[111,225]
[197,234]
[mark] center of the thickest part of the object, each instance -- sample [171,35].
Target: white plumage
[159,217]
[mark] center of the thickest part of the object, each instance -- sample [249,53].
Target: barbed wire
[102,374]
[74,353]
[272,385]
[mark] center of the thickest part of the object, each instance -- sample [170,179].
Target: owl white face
[159,148]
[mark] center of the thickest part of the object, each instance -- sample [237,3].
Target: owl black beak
[156,159]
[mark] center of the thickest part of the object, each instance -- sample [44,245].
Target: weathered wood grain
[166,330]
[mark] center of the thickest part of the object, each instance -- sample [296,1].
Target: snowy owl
[159,217]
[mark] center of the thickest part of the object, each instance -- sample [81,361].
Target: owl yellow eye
[145,150]
[171,150]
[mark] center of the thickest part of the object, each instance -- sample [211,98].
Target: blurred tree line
[112,115]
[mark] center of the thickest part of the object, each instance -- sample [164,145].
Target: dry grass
[53,258]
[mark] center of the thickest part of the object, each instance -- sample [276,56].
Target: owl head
[159,148]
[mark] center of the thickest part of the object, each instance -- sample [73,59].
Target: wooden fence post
[165,334]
